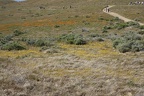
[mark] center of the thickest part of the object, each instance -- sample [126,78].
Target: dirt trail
[119,16]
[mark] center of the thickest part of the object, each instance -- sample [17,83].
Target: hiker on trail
[108,10]
[131,3]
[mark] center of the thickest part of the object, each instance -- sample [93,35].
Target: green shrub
[121,26]
[12,46]
[72,39]
[129,42]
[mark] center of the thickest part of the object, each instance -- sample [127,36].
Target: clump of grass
[72,39]
[129,42]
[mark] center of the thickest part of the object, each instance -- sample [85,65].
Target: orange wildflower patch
[44,22]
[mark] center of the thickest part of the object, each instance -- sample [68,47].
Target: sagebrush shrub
[129,42]
[12,46]
[72,39]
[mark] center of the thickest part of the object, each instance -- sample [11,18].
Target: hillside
[71,48]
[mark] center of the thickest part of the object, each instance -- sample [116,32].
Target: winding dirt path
[119,16]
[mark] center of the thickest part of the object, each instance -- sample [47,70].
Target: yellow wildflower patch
[63,72]
[15,54]
[91,50]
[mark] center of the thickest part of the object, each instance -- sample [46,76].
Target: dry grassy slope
[95,69]
[19,14]
[28,13]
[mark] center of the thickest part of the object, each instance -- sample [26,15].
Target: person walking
[108,9]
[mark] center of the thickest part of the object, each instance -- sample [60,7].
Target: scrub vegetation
[71,48]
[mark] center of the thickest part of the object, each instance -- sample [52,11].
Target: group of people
[106,9]
[137,3]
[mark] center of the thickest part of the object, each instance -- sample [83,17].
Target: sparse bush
[100,39]
[12,46]
[94,35]
[23,17]
[136,19]
[72,39]
[101,18]
[17,33]
[30,41]
[76,16]
[56,26]
[134,24]
[107,27]
[40,43]
[121,26]
[116,19]
[141,32]
[88,16]
[87,23]
[5,39]
[141,27]
[104,31]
